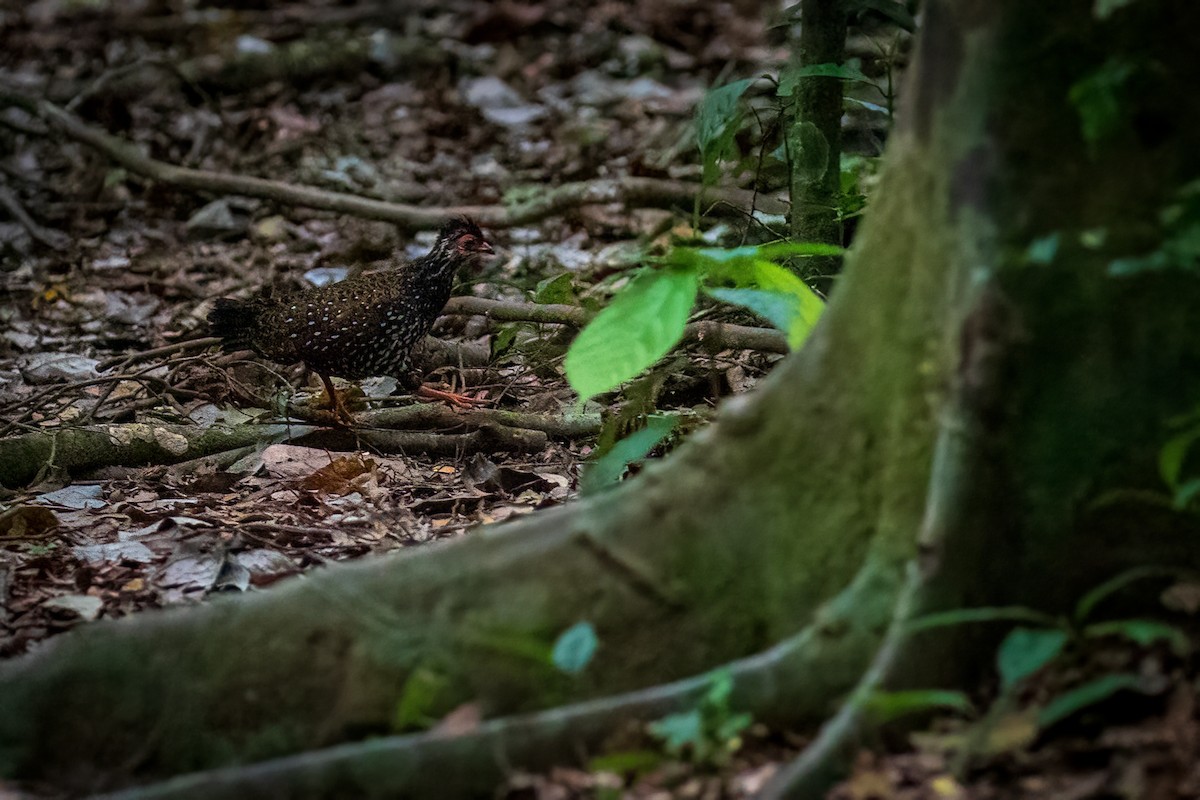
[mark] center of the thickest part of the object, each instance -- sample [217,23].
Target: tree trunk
[815,132]
[967,399]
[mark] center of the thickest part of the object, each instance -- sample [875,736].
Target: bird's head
[464,241]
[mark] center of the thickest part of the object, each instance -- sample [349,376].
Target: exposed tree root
[629,190]
[437,765]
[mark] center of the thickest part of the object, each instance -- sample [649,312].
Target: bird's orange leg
[340,412]
[460,400]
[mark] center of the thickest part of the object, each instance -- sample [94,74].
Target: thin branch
[629,190]
[54,239]
[716,335]
[436,415]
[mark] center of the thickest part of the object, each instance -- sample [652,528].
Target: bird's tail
[235,321]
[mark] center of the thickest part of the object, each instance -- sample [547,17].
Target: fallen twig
[429,415]
[55,240]
[75,450]
[490,439]
[717,335]
[155,352]
[552,201]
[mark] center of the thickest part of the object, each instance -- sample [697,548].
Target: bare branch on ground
[634,191]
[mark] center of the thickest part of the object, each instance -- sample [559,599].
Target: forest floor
[461,103]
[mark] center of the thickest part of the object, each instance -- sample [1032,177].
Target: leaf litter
[615,96]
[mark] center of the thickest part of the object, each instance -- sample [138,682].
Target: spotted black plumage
[359,327]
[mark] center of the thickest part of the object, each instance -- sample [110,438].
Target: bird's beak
[486,248]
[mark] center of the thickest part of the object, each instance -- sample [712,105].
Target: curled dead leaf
[339,476]
[26,521]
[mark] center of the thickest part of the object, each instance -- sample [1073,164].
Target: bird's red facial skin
[468,244]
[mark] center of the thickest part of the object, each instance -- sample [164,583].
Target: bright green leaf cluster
[718,118]
[1031,647]
[1098,100]
[640,326]
[606,471]
[647,318]
[708,733]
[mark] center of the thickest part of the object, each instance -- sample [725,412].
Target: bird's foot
[335,401]
[454,399]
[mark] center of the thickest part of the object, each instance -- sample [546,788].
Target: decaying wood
[396,430]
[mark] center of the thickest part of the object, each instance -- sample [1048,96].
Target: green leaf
[1042,251]
[791,76]
[717,120]
[677,731]
[731,727]
[777,308]
[115,177]
[1185,493]
[606,471]
[574,649]
[1172,454]
[1103,9]
[1085,695]
[887,706]
[962,616]
[720,689]
[1142,631]
[558,289]
[865,104]
[809,307]
[418,699]
[809,151]
[1097,101]
[717,110]
[894,11]
[770,252]
[639,327]
[511,643]
[1087,604]
[1026,650]
[505,337]
[636,762]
